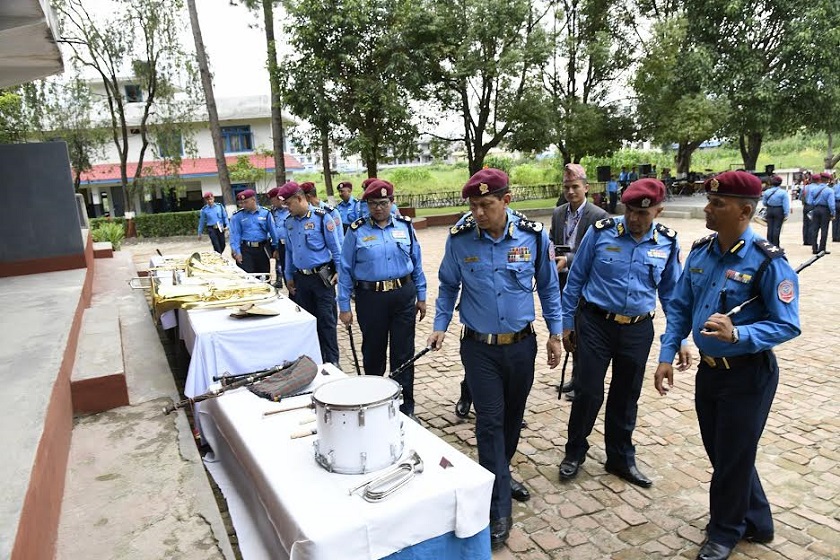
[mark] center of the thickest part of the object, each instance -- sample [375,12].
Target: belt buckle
[711,362]
[622,319]
[505,338]
[387,285]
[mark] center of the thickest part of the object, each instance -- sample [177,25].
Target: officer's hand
[718,326]
[345,317]
[420,307]
[663,371]
[290,284]
[436,340]
[334,279]
[684,360]
[561,264]
[554,348]
[237,258]
[569,340]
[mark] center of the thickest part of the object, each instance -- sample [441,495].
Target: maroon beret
[307,187]
[345,185]
[486,181]
[734,183]
[644,193]
[367,182]
[208,194]
[378,189]
[825,176]
[776,180]
[247,193]
[288,190]
[272,192]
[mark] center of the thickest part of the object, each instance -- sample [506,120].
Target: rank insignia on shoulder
[466,225]
[769,249]
[519,214]
[666,231]
[703,241]
[328,208]
[406,219]
[357,224]
[238,211]
[321,212]
[528,225]
[605,223]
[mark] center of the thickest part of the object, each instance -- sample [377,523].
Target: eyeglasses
[379,203]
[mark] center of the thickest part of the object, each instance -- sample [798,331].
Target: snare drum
[359,426]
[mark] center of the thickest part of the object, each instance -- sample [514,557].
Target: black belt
[498,339]
[617,317]
[384,285]
[253,243]
[311,271]
[729,362]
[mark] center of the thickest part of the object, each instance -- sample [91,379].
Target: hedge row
[165,224]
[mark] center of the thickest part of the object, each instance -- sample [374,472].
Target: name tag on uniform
[368,238]
[398,234]
[738,277]
[657,254]
[519,254]
[309,225]
[261,218]
[471,259]
[613,248]
[695,270]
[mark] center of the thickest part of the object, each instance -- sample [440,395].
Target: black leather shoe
[570,396]
[523,425]
[569,468]
[631,474]
[760,537]
[518,491]
[713,551]
[462,407]
[567,386]
[499,532]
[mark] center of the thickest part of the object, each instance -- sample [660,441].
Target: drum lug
[327,415]
[362,415]
[364,461]
[392,410]
[394,455]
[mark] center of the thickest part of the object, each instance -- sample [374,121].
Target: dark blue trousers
[313,295]
[500,378]
[389,317]
[600,341]
[819,228]
[806,224]
[732,408]
[255,259]
[281,260]
[217,238]
[775,217]
[835,233]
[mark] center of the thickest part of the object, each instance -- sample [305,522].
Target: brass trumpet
[388,482]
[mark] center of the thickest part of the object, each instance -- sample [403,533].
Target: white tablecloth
[220,344]
[284,505]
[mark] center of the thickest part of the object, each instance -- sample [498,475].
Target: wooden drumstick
[307,421]
[303,433]
[298,407]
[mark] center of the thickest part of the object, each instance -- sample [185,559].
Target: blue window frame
[239,187]
[237,138]
[170,144]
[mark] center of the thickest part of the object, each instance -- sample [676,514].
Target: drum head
[357,391]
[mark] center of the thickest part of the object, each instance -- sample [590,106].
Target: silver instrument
[380,487]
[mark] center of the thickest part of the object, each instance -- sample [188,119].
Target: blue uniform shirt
[372,253]
[346,209]
[770,320]
[612,186]
[336,216]
[496,278]
[212,215]
[251,226]
[362,210]
[775,197]
[823,195]
[836,194]
[311,240]
[280,215]
[625,274]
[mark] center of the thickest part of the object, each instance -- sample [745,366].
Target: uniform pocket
[315,241]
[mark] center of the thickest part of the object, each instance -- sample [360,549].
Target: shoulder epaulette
[237,211]
[320,211]
[328,208]
[703,241]
[604,224]
[769,249]
[357,224]
[467,224]
[666,231]
[406,219]
[528,225]
[519,214]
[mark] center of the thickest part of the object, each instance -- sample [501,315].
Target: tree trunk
[830,159]
[210,99]
[682,159]
[325,158]
[276,96]
[750,146]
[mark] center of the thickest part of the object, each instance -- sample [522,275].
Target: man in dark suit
[569,223]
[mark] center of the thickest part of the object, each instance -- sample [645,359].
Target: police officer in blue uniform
[777,203]
[214,217]
[362,211]
[738,373]
[309,190]
[835,234]
[608,302]
[493,260]
[252,234]
[381,260]
[347,206]
[312,260]
[805,197]
[823,211]
[279,212]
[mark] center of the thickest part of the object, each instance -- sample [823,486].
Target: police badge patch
[785,291]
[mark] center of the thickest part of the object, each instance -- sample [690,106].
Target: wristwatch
[735,337]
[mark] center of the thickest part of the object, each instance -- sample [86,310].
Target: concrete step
[103,250]
[674,214]
[97,382]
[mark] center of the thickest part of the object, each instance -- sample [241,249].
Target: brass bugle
[388,482]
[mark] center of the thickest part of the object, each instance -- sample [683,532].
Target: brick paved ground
[599,516]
